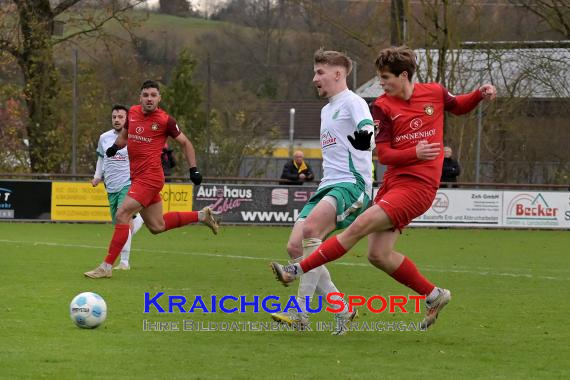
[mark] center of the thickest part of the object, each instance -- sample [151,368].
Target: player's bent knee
[294,250]
[379,259]
[156,229]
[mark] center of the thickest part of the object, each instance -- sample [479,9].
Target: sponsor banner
[176,197]
[529,209]
[25,200]
[254,204]
[80,201]
[458,207]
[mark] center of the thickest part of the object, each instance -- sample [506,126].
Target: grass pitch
[507,318]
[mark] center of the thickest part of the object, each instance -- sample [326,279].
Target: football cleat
[122,266]
[295,320]
[342,320]
[434,307]
[210,220]
[99,272]
[285,274]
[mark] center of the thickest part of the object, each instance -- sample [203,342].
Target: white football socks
[326,286]
[308,281]
[137,223]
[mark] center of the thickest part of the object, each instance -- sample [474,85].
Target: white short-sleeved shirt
[345,113]
[116,169]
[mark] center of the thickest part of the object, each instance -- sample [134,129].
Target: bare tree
[27,33]
[555,13]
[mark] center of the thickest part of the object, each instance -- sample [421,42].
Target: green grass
[507,318]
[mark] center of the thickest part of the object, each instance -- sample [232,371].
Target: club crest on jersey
[428,109]
[139,130]
[154,127]
[335,115]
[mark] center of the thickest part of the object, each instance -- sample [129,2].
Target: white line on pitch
[239,257]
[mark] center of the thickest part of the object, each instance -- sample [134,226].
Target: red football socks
[408,274]
[179,219]
[120,237]
[329,250]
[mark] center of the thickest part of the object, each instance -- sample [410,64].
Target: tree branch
[63,6]
[100,23]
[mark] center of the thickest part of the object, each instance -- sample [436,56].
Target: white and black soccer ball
[88,310]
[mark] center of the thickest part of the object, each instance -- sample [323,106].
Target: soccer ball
[88,310]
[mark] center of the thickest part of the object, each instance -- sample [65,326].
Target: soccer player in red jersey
[145,133]
[409,117]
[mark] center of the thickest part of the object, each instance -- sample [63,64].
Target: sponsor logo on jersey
[327,140]
[416,124]
[414,136]
[139,130]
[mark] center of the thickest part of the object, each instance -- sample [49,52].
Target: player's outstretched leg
[435,305]
[209,219]
[286,274]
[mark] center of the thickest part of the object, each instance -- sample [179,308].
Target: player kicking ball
[345,189]
[409,141]
[145,133]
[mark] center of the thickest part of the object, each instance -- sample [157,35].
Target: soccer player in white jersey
[115,172]
[346,187]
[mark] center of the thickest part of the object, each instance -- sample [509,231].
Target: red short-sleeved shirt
[147,134]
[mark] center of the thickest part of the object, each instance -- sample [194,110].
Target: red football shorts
[144,194]
[404,198]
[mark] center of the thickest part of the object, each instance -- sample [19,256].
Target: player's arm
[364,138]
[423,151]
[462,104]
[119,144]
[187,148]
[98,176]
[190,154]
[386,154]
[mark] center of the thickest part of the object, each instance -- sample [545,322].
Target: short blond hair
[333,58]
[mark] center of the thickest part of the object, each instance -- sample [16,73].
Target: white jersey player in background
[115,172]
[345,189]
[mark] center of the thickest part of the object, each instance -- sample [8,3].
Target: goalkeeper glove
[112,150]
[195,176]
[361,139]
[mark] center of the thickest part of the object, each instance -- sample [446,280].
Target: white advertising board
[458,207]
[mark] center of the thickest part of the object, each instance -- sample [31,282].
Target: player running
[410,121]
[345,189]
[115,173]
[146,131]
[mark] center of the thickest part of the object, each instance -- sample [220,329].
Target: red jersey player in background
[145,133]
[409,141]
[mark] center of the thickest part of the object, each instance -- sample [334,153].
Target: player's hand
[427,151]
[95,181]
[488,92]
[112,150]
[361,140]
[195,176]
[302,176]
